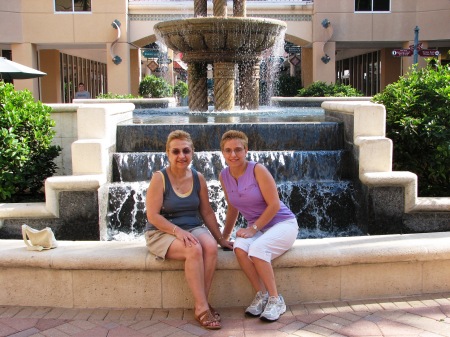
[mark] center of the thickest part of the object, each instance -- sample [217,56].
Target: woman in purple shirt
[271,227]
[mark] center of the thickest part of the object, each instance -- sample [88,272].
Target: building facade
[102,42]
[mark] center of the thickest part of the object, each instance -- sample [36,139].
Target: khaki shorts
[158,242]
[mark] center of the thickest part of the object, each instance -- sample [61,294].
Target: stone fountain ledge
[94,141]
[85,274]
[365,124]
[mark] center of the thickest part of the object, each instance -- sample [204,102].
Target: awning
[178,65]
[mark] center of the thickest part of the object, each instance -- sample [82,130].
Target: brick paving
[424,316]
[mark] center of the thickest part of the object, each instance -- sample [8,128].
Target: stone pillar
[239,8]
[220,8]
[25,53]
[224,86]
[322,71]
[249,85]
[200,8]
[118,75]
[197,89]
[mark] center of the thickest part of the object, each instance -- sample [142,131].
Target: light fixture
[325,59]
[325,23]
[115,58]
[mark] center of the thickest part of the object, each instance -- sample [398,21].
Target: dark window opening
[372,5]
[72,5]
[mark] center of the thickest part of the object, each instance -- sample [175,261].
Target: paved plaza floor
[424,316]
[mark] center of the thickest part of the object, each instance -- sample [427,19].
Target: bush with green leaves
[181,89]
[287,86]
[110,95]
[155,87]
[418,122]
[26,153]
[322,89]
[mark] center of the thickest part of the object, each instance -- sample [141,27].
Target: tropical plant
[155,87]
[322,89]
[110,95]
[181,89]
[26,153]
[418,122]
[288,86]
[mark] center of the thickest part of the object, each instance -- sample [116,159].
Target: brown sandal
[215,313]
[206,318]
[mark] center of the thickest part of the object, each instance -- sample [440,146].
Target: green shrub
[26,153]
[418,122]
[288,86]
[322,89]
[110,95]
[181,89]
[155,87]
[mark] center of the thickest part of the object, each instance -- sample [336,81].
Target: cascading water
[310,182]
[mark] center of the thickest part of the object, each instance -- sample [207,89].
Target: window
[72,5]
[372,5]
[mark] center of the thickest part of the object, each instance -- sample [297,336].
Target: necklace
[175,181]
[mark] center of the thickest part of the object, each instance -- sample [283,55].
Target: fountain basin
[220,39]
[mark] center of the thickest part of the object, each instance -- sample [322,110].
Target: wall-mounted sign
[152,65]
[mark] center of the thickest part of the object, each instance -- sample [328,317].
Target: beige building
[101,42]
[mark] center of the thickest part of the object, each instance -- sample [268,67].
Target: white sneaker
[258,304]
[274,309]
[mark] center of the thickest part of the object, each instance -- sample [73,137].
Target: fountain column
[249,85]
[224,75]
[239,8]
[220,8]
[200,8]
[198,86]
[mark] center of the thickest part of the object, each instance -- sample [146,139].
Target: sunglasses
[185,151]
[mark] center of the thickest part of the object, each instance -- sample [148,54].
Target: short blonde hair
[181,135]
[234,134]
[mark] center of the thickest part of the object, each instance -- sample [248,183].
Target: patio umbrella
[10,70]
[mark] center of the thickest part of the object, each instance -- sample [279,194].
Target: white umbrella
[10,70]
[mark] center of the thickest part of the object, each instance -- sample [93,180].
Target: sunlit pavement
[424,316]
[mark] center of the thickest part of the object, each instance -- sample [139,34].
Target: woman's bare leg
[248,267]
[194,272]
[265,272]
[209,247]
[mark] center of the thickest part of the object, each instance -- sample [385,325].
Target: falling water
[308,182]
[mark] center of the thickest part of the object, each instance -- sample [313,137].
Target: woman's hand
[187,238]
[224,243]
[245,233]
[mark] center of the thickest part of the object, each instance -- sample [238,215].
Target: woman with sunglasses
[178,207]
[271,227]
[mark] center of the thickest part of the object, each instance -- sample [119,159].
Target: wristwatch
[255,227]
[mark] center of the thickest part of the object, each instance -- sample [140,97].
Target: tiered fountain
[223,42]
[306,157]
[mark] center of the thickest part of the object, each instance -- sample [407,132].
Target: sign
[294,60]
[152,65]
[402,52]
[294,50]
[164,60]
[429,52]
[150,53]
[419,46]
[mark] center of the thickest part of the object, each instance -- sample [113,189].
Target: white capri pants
[270,244]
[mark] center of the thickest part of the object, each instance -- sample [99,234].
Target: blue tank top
[245,195]
[182,211]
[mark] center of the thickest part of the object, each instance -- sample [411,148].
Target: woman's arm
[208,215]
[232,214]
